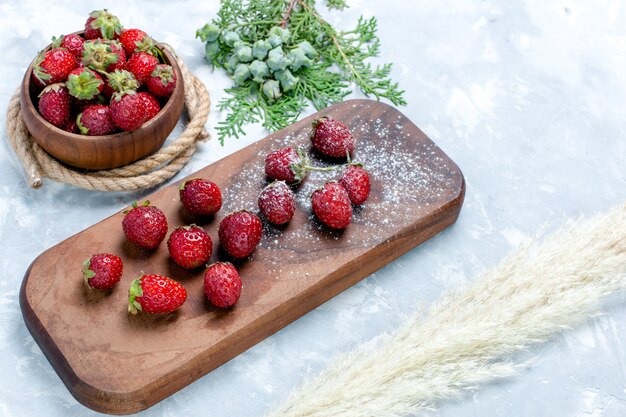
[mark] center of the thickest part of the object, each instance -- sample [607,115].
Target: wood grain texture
[107,151]
[92,342]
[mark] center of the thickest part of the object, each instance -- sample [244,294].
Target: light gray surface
[528,98]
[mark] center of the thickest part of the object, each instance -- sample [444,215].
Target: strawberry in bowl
[87,65]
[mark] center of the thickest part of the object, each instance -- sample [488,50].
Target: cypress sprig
[284,56]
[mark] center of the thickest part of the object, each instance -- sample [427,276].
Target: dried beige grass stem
[469,336]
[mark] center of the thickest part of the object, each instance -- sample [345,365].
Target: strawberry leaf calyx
[87,272]
[40,73]
[108,23]
[135,291]
[189,227]
[98,55]
[165,73]
[134,205]
[299,168]
[122,81]
[319,120]
[147,45]
[56,42]
[84,86]
[84,130]
[52,87]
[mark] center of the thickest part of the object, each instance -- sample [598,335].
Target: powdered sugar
[409,176]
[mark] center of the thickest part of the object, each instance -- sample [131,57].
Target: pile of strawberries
[239,232]
[111,79]
[332,203]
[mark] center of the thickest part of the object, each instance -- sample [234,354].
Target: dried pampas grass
[469,336]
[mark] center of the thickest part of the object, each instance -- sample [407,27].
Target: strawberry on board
[155,294]
[95,120]
[331,205]
[332,138]
[200,196]
[222,284]
[145,225]
[190,246]
[102,24]
[102,271]
[162,81]
[356,180]
[286,164]
[53,66]
[240,233]
[54,104]
[277,202]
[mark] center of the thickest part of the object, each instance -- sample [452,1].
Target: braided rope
[145,173]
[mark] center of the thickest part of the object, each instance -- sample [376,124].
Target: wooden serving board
[117,363]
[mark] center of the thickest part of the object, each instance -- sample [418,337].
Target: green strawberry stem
[87,273]
[79,123]
[313,168]
[135,291]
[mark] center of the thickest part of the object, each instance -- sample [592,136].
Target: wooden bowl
[102,152]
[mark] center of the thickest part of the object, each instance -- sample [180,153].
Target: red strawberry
[71,126]
[277,202]
[200,197]
[142,64]
[95,121]
[152,104]
[54,66]
[108,91]
[102,24]
[84,83]
[102,271]
[286,164]
[54,104]
[222,284]
[162,81]
[331,205]
[145,225]
[103,55]
[356,181]
[72,43]
[239,233]
[190,246]
[128,111]
[332,138]
[136,40]
[121,55]
[155,294]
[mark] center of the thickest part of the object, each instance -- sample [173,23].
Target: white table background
[528,97]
